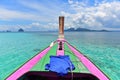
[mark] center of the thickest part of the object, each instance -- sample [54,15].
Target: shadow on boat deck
[38,75]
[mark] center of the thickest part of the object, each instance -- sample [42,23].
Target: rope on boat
[78,65]
[70,66]
[71,71]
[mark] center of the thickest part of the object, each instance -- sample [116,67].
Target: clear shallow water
[103,48]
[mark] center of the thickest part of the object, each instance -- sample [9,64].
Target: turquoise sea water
[103,48]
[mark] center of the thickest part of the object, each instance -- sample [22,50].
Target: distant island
[84,29]
[20,30]
[66,30]
[8,31]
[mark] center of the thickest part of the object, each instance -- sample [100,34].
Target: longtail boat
[59,61]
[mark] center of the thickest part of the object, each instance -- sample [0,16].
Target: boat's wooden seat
[43,75]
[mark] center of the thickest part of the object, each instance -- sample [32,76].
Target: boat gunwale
[88,59]
[27,62]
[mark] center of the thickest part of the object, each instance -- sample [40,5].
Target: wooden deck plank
[78,65]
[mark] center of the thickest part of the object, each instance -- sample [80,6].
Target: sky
[42,15]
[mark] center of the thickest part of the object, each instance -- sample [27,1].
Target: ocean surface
[103,48]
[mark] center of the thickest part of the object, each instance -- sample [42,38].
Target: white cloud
[11,15]
[10,27]
[47,10]
[4,27]
[104,15]
[45,27]
[70,1]
[51,26]
[100,14]
[36,24]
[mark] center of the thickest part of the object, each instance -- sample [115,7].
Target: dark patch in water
[36,50]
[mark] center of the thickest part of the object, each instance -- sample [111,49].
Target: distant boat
[59,61]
